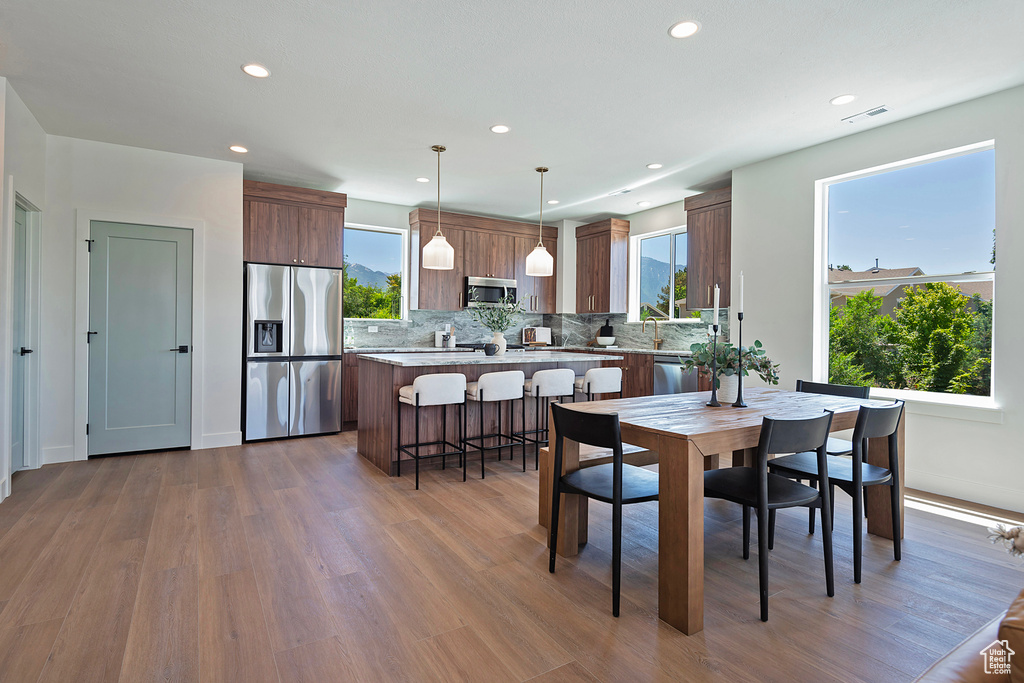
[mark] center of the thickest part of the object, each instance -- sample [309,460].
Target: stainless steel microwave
[487,291]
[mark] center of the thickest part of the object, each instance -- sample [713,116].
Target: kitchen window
[375,272]
[910,274]
[659,284]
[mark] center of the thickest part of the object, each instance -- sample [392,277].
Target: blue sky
[376,250]
[937,216]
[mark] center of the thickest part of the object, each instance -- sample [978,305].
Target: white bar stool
[544,386]
[440,389]
[600,381]
[495,387]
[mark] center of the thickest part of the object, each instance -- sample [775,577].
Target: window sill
[951,406]
[379,320]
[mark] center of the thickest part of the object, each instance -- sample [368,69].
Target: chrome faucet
[643,328]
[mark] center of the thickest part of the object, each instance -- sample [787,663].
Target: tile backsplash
[567,329]
[574,329]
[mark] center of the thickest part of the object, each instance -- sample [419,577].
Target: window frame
[822,290]
[633,313]
[404,296]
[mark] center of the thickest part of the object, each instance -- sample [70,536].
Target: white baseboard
[220,440]
[55,454]
[973,491]
[5,488]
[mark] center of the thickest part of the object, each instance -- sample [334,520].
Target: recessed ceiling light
[843,99]
[654,167]
[423,180]
[684,29]
[256,70]
[643,204]
[238,149]
[552,201]
[500,128]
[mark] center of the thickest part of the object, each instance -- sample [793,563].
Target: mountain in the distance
[654,275]
[367,276]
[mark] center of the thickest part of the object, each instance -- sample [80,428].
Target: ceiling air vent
[865,115]
[618,192]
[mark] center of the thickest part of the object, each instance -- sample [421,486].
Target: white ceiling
[593,89]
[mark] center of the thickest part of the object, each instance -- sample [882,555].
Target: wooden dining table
[689,437]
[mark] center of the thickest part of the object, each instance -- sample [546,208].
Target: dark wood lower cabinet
[350,391]
[637,371]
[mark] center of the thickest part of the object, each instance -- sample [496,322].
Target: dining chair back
[852,475]
[616,483]
[846,390]
[755,488]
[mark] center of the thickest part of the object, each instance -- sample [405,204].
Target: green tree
[679,293]
[370,301]
[859,331]
[932,360]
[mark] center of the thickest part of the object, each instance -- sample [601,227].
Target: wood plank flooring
[299,561]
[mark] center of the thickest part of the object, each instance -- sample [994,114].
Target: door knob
[24,351]
[180,349]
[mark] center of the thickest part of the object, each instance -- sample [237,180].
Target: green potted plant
[497,317]
[730,362]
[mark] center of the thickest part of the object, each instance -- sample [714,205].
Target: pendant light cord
[439,148]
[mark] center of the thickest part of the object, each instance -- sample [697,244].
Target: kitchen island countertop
[419,360]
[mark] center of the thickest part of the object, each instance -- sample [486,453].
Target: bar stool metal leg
[399,463]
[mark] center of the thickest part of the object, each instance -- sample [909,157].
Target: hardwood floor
[299,561]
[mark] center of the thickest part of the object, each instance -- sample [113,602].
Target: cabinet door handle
[460,299]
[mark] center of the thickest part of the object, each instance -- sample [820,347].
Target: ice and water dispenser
[267,336]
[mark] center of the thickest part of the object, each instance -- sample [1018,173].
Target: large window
[660,290]
[375,281]
[911,274]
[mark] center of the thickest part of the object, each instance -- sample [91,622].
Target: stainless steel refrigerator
[293,351]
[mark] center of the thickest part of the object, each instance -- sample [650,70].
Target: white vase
[499,340]
[728,387]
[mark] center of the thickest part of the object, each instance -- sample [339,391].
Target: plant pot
[499,341]
[728,387]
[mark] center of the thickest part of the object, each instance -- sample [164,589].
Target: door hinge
[87,429]
[89,245]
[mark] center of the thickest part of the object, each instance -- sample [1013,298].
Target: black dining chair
[835,445]
[854,474]
[616,482]
[755,487]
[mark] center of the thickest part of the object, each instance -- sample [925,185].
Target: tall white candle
[715,319]
[741,291]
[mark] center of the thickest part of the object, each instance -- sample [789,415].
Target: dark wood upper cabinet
[442,290]
[602,266]
[709,248]
[271,232]
[536,293]
[293,225]
[484,247]
[320,237]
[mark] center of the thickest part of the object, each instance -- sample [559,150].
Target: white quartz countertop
[432,349]
[417,360]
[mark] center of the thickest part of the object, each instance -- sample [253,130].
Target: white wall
[565,269]
[968,453]
[84,177]
[22,172]
[659,218]
[378,214]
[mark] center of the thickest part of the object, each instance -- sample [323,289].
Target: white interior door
[140,336]
[19,342]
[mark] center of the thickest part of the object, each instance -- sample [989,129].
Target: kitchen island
[381,375]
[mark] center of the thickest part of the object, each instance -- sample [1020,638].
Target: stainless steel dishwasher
[670,377]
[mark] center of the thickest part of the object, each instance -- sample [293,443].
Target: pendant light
[540,263]
[438,254]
